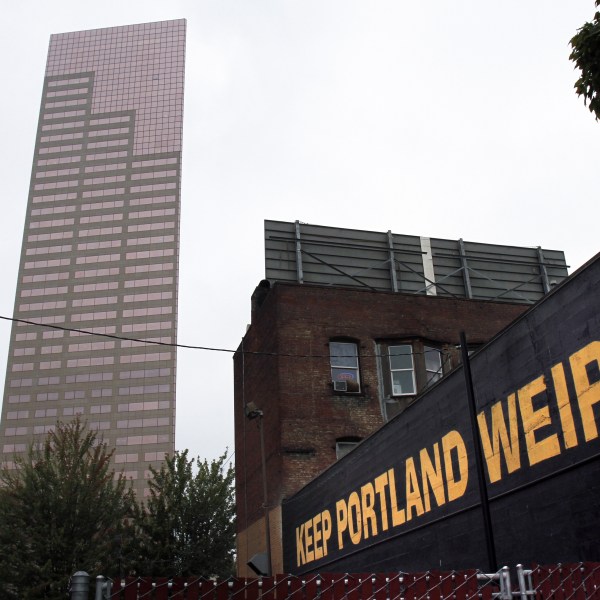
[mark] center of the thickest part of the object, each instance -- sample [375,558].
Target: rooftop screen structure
[385,261]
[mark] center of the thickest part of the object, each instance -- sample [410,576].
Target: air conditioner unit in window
[340,386]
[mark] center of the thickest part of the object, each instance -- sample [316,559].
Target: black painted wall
[540,380]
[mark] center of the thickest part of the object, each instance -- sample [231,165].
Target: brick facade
[285,370]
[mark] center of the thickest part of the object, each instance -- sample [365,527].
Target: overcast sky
[441,119]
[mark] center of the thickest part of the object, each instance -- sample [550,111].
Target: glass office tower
[100,247]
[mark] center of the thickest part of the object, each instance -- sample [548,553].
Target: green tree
[188,525]
[61,510]
[586,56]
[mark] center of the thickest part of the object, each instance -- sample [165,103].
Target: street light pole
[253,412]
[483,495]
[265,496]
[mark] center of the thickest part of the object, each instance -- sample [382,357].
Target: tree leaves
[586,56]
[188,525]
[61,510]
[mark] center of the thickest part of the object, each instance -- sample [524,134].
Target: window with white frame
[345,373]
[408,367]
[402,370]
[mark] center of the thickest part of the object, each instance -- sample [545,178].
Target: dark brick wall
[302,415]
[256,380]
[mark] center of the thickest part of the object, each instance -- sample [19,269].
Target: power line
[228,460]
[194,347]
[116,337]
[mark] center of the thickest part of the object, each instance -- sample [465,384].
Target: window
[409,367]
[344,367]
[402,370]
[433,364]
[344,445]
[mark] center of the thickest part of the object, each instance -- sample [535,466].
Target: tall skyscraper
[100,247]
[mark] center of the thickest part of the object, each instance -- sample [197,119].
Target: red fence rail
[567,582]
[557,582]
[433,585]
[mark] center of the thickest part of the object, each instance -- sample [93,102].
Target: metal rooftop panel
[302,253]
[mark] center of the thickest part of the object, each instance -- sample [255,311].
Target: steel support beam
[465,268]
[393,277]
[299,273]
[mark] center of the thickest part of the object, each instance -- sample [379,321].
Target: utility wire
[228,460]
[117,337]
[193,347]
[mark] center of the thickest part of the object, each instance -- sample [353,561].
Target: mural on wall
[408,496]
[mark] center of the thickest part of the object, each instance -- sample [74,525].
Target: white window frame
[336,357]
[413,392]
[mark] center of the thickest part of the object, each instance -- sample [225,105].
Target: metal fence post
[521,580]
[80,586]
[103,588]
[525,582]
[505,586]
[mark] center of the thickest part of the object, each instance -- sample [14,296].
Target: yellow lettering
[588,394]
[367,494]
[317,536]
[432,477]
[413,493]
[398,516]
[453,441]
[354,521]
[341,510]
[310,555]
[326,519]
[380,485]
[500,439]
[564,406]
[300,556]
[534,420]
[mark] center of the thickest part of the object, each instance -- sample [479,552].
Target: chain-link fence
[557,582]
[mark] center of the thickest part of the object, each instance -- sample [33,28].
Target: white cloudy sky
[438,118]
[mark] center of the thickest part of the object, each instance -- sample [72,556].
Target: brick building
[327,365]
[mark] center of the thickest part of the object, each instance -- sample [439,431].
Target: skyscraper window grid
[100,248]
